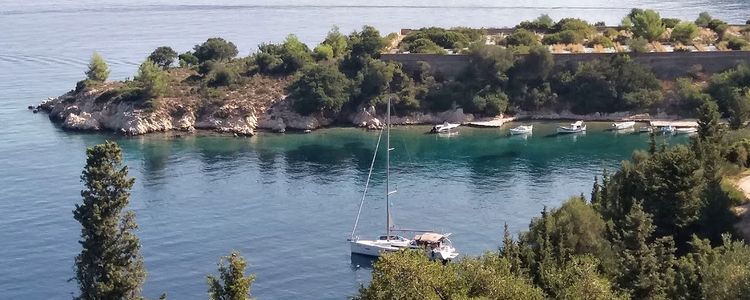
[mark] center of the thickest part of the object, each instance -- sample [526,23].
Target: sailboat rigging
[435,245]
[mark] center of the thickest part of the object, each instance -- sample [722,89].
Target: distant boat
[646,129]
[686,130]
[669,129]
[435,245]
[576,127]
[523,129]
[445,127]
[623,125]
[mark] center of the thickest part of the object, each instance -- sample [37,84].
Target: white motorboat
[576,127]
[685,130]
[646,129]
[623,125]
[443,128]
[435,245]
[669,129]
[522,129]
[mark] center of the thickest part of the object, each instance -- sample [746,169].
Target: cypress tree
[232,283]
[110,265]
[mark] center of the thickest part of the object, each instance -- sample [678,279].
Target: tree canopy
[215,49]
[98,70]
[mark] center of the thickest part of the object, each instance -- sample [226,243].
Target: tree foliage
[98,70]
[152,79]
[320,88]
[110,265]
[647,24]
[684,32]
[232,283]
[163,56]
[215,49]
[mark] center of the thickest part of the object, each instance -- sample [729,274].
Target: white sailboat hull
[376,248]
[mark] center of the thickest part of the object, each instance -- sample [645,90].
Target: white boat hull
[522,130]
[571,130]
[689,130]
[376,248]
[623,125]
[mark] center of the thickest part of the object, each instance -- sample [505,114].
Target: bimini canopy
[429,237]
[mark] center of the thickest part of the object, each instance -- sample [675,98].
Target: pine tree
[98,69]
[110,265]
[596,192]
[511,251]
[652,143]
[232,283]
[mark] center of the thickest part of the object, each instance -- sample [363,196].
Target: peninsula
[648,66]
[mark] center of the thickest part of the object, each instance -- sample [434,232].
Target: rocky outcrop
[368,118]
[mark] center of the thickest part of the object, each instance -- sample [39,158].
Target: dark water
[286,201]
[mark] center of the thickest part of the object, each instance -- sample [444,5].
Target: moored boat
[522,129]
[646,129]
[435,245]
[623,125]
[685,130]
[576,127]
[445,127]
[669,129]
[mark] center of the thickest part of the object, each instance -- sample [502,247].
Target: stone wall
[666,65]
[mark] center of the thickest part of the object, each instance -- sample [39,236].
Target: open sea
[286,201]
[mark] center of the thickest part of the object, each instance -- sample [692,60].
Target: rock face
[241,115]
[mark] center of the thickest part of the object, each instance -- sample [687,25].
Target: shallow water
[286,201]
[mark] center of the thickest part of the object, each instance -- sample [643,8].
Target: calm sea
[286,201]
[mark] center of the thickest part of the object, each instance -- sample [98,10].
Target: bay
[286,201]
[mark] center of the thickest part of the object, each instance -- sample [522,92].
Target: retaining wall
[666,65]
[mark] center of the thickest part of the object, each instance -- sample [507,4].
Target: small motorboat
[576,127]
[686,130]
[445,127]
[669,129]
[646,129]
[523,129]
[623,125]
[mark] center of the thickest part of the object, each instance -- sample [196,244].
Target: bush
[541,24]
[98,70]
[737,43]
[489,103]
[336,41]
[684,33]
[601,40]
[222,76]
[424,45]
[579,27]
[670,22]
[215,49]
[163,56]
[320,88]
[736,196]
[187,59]
[323,52]
[639,45]
[563,37]
[522,37]
[285,58]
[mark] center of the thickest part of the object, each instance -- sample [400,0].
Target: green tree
[110,265]
[163,56]
[232,283]
[648,25]
[337,41]
[366,42]
[323,52]
[98,70]
[703,19]
[320,88]
[295,55]
[152,79]
[187,59]
[215,49]
[684,32]
[424,45]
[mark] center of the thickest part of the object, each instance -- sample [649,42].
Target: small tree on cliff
[98,69]
[232,283]
[163,56]
[152,79]
[110,265]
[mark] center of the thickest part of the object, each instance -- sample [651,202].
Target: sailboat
[435,245]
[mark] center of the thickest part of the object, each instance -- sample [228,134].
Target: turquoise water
[286,201]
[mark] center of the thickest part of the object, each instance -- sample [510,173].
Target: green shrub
[320,88]
[736,196]
[670,22]
[684,33]
[601,40]
[541,24]
[222,76]
[522,37]
[703,19]
[187,59]
[638,45]
[424,45]
[323,52]
[215,49]
[647,24]
[152,79]
[737,43]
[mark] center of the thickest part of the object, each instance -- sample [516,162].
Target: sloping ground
[743,211]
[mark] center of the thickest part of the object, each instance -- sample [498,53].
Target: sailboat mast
[388,172]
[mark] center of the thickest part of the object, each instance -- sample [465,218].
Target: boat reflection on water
[359,261]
